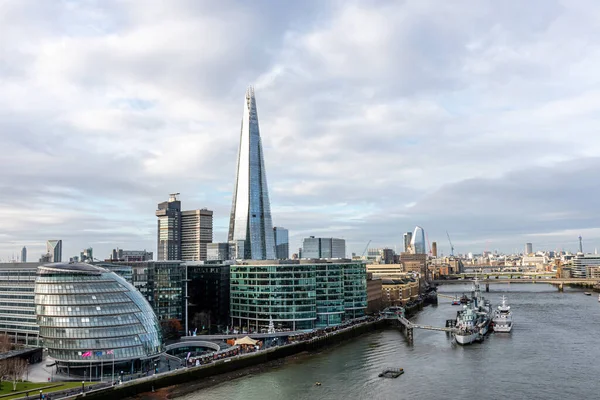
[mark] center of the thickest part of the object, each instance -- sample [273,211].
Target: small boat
[587,293]
[456,301]
[392,373]
[317,383]
[464,299]
[599,297]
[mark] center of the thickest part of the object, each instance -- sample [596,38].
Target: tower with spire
[250,224]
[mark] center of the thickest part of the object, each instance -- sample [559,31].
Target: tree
[5,344]
[15,370]
[171,328]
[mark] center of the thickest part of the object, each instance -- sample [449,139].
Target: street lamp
[82,386]
[40,395]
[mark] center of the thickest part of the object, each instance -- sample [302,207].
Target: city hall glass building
[90,315]
[296,295]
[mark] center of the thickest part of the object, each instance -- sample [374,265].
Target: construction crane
[451,246]
[366,248]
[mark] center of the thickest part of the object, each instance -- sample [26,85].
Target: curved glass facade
[89,314]
[418,241]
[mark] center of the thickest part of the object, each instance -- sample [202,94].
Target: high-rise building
[217,251]
[417,242]
[313,247]
[434,249]
[528,248]
[169,229]
[54,248]
[182,235]
[86,255]
[407,240]
[250,224]
[24,254]
[282,243]
[196,233]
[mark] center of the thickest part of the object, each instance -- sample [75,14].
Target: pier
[408,327]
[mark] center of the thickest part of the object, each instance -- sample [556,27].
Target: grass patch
[34,388]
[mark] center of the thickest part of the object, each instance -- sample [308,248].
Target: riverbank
[160,386]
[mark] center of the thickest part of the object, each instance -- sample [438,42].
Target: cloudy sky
[476,117]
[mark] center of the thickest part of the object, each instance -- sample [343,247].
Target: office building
[407,241]
[86,255]
[183,235]
[162,284]
[196,233]
[131,255]
[217,251]
[380,256]
[386,270]
[169,229]
[374,294]
[208,296]
[434,249]
[296,294]
[417,242]
[250,224]
[313,247]
[17,306]
[89,316]
[528,248]
[24,254]
[416,263]
[282,243]
[581,264]
[54,249]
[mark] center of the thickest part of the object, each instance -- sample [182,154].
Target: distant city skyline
[464,120]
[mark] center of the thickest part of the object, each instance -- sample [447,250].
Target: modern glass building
[330,294]
[355,289]
[17,307]
[418,241]
[250,224]
[208,296]
[296,294]
[89,316]
[282,291]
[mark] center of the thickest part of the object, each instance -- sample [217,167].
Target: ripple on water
[551,354]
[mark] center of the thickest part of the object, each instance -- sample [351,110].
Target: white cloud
[375,117]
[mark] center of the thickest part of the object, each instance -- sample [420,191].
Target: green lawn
[34,388]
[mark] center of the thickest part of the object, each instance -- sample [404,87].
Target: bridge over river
[494,278]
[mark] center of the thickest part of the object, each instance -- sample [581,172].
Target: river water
[553,352]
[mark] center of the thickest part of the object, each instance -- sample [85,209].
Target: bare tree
[3,370]
[16,369]
[5,344]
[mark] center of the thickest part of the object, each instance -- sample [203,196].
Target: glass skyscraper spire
[250,224]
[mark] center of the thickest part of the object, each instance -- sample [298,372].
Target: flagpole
[101,369]
[113,371]
[91,368]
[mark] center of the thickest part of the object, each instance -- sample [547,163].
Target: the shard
[250,224]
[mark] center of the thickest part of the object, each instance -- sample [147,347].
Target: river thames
[553,352]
